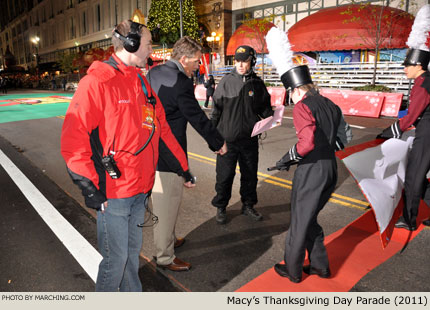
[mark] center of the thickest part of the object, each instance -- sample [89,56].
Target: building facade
[38,32]
[41,31]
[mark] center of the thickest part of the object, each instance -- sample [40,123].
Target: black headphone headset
[131,41]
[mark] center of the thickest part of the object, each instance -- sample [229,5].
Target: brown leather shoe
[177,265]
[179,242]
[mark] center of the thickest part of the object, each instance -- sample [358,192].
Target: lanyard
[143,85]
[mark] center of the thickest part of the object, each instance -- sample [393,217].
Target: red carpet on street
[353,252]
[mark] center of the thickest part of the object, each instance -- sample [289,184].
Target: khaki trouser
[166,199]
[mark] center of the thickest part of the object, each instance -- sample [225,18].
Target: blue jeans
[120,241]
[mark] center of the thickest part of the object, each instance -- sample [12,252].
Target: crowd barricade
[365,103]
[392,103]
[277,95]
[200,92]
[356,103]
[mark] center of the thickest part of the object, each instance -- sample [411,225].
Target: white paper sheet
[269,122]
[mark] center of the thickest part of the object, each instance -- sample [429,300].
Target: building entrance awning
[252,36]
[330,29]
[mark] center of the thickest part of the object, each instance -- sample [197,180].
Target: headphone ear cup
[132,43]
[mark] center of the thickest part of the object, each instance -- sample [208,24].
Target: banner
[379,168]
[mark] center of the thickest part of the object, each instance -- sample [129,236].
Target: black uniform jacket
[176,93]
[316,119]
[239,102]
[418,103]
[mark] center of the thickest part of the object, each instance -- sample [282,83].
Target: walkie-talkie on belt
[110,166]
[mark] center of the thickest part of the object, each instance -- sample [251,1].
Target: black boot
[251,212]
[426,222]
[322,273]
[221,216]
[282,270]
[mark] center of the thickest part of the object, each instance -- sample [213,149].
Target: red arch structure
[245,35]
[331,29]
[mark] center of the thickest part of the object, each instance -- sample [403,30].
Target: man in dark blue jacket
[173,85]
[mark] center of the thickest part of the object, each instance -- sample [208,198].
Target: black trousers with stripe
[417,186]
[313,185]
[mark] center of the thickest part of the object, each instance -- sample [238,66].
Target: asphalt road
[224,258]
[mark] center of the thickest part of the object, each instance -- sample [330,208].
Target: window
[279,10]
[84,23]
[98,18]
[72,28]
[268,12]
[258,13]
[54,34]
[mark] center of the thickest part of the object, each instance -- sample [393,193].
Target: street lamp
[35,41]
[213,38]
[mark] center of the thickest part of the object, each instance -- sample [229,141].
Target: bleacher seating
[342,75]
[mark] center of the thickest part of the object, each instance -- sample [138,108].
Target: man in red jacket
[110,141]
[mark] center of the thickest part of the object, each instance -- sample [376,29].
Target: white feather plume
[420,29]
[279,50]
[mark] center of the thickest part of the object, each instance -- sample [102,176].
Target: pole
[37,65]
[116,13]
[180,19]
[212,56]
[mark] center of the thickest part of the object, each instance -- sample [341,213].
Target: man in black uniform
[416,183]
[240,100]
[321,131]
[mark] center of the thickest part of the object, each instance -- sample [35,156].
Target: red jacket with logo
[111,109]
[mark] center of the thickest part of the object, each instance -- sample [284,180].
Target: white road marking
[354,126]
[78,246]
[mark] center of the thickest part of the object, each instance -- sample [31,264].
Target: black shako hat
[296,76]
[416,57]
